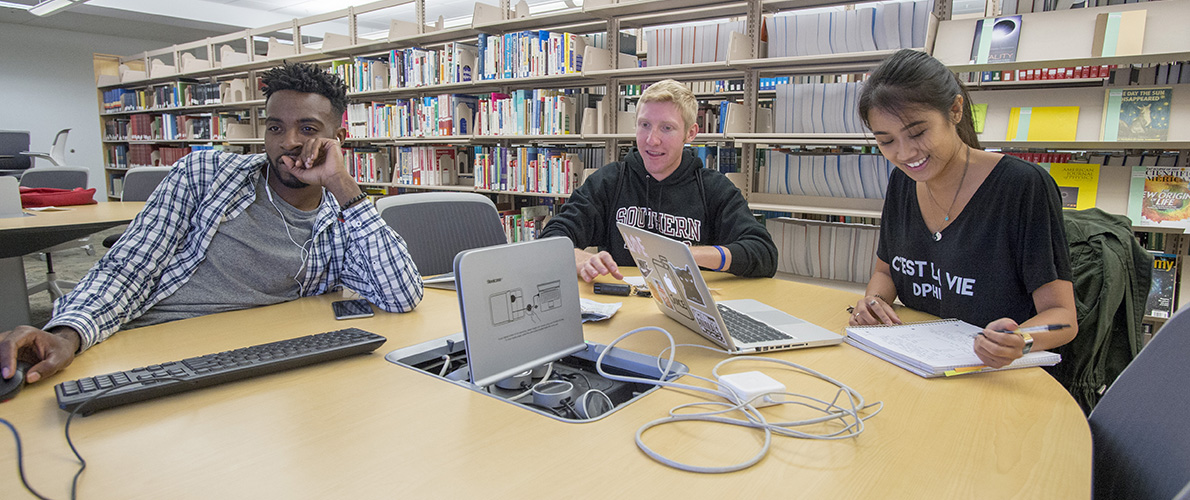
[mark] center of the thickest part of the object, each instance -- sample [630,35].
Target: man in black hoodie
[663,188]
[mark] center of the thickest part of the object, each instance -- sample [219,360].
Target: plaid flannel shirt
[165,243]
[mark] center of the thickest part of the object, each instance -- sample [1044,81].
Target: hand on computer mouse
[47,352]
[9,388]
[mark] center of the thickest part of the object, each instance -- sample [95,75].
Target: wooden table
[364,428]
[24,235]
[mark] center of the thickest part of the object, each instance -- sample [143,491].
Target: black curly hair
[308,78]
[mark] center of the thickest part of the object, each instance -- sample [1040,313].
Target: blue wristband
[722,258]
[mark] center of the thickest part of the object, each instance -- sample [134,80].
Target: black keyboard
[167,378]
[744,328]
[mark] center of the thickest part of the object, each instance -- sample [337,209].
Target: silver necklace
[938,233]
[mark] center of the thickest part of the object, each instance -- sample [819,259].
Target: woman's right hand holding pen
[873,310]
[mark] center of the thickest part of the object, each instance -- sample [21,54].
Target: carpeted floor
[70,265]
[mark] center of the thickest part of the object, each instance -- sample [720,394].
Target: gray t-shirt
[253,260]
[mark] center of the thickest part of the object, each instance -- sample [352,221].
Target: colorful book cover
[1161,293]
[1042,123]
[996,40]
[1160,196]
[979,115]
[1136,114]
[1078,183]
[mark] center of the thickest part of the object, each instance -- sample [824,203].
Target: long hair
[912,79]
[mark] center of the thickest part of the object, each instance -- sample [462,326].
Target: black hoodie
[714,213]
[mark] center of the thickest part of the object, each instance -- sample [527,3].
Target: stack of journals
[934,348]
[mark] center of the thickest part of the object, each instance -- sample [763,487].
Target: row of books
[124,156]
[725,159]
[173,95]
[491,57]
[168,127]
[1162,242]
[447,165]
[844,252]
[817,108]
[532,112]
[368,163]
[690,44]
[524,224]
[1129,158]
[1042,157]
[1067,73]
[848,176]
[1153,74]
[527,112]
[526,169]
[837,30]
[1027,6]
[362,74]
[431,116]
[530,53]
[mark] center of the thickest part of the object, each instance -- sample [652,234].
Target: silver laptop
[740,326]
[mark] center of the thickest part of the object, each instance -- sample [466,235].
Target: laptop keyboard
[744,328]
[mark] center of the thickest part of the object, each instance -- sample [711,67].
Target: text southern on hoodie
[674,207]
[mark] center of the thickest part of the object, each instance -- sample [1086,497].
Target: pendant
[938,236]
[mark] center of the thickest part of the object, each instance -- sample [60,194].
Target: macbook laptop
[740,326]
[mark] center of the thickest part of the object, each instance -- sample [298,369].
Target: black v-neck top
[1007,242]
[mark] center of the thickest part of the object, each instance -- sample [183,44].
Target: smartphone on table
[350,309]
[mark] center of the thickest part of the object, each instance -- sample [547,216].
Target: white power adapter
[753,386]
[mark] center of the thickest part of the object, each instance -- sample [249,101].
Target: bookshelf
[1059,39]
[1048,39]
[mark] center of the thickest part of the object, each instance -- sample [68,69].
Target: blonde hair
[670,90]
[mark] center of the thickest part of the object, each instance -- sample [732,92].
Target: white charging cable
[285,224]
[847,413]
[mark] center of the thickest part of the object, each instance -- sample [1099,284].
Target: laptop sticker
[660,292]
[669,280]
[645,268]
[708,325]
[687,280]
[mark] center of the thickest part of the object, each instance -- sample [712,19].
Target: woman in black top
[965,233]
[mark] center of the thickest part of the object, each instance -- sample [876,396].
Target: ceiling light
[47,7]
[10,5]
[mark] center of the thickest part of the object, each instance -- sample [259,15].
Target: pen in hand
[1035,329]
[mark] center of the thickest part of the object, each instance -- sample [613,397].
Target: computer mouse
[9,388]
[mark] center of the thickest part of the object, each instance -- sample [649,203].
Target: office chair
[57,154]
[1141,443]
[60,178]
[13,145]
[139,183]
[436,226]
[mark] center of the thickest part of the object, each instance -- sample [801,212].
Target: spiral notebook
[934,348]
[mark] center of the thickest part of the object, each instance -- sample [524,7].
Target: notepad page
[935,346]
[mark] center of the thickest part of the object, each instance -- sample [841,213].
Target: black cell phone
[613,289]
[348,309]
